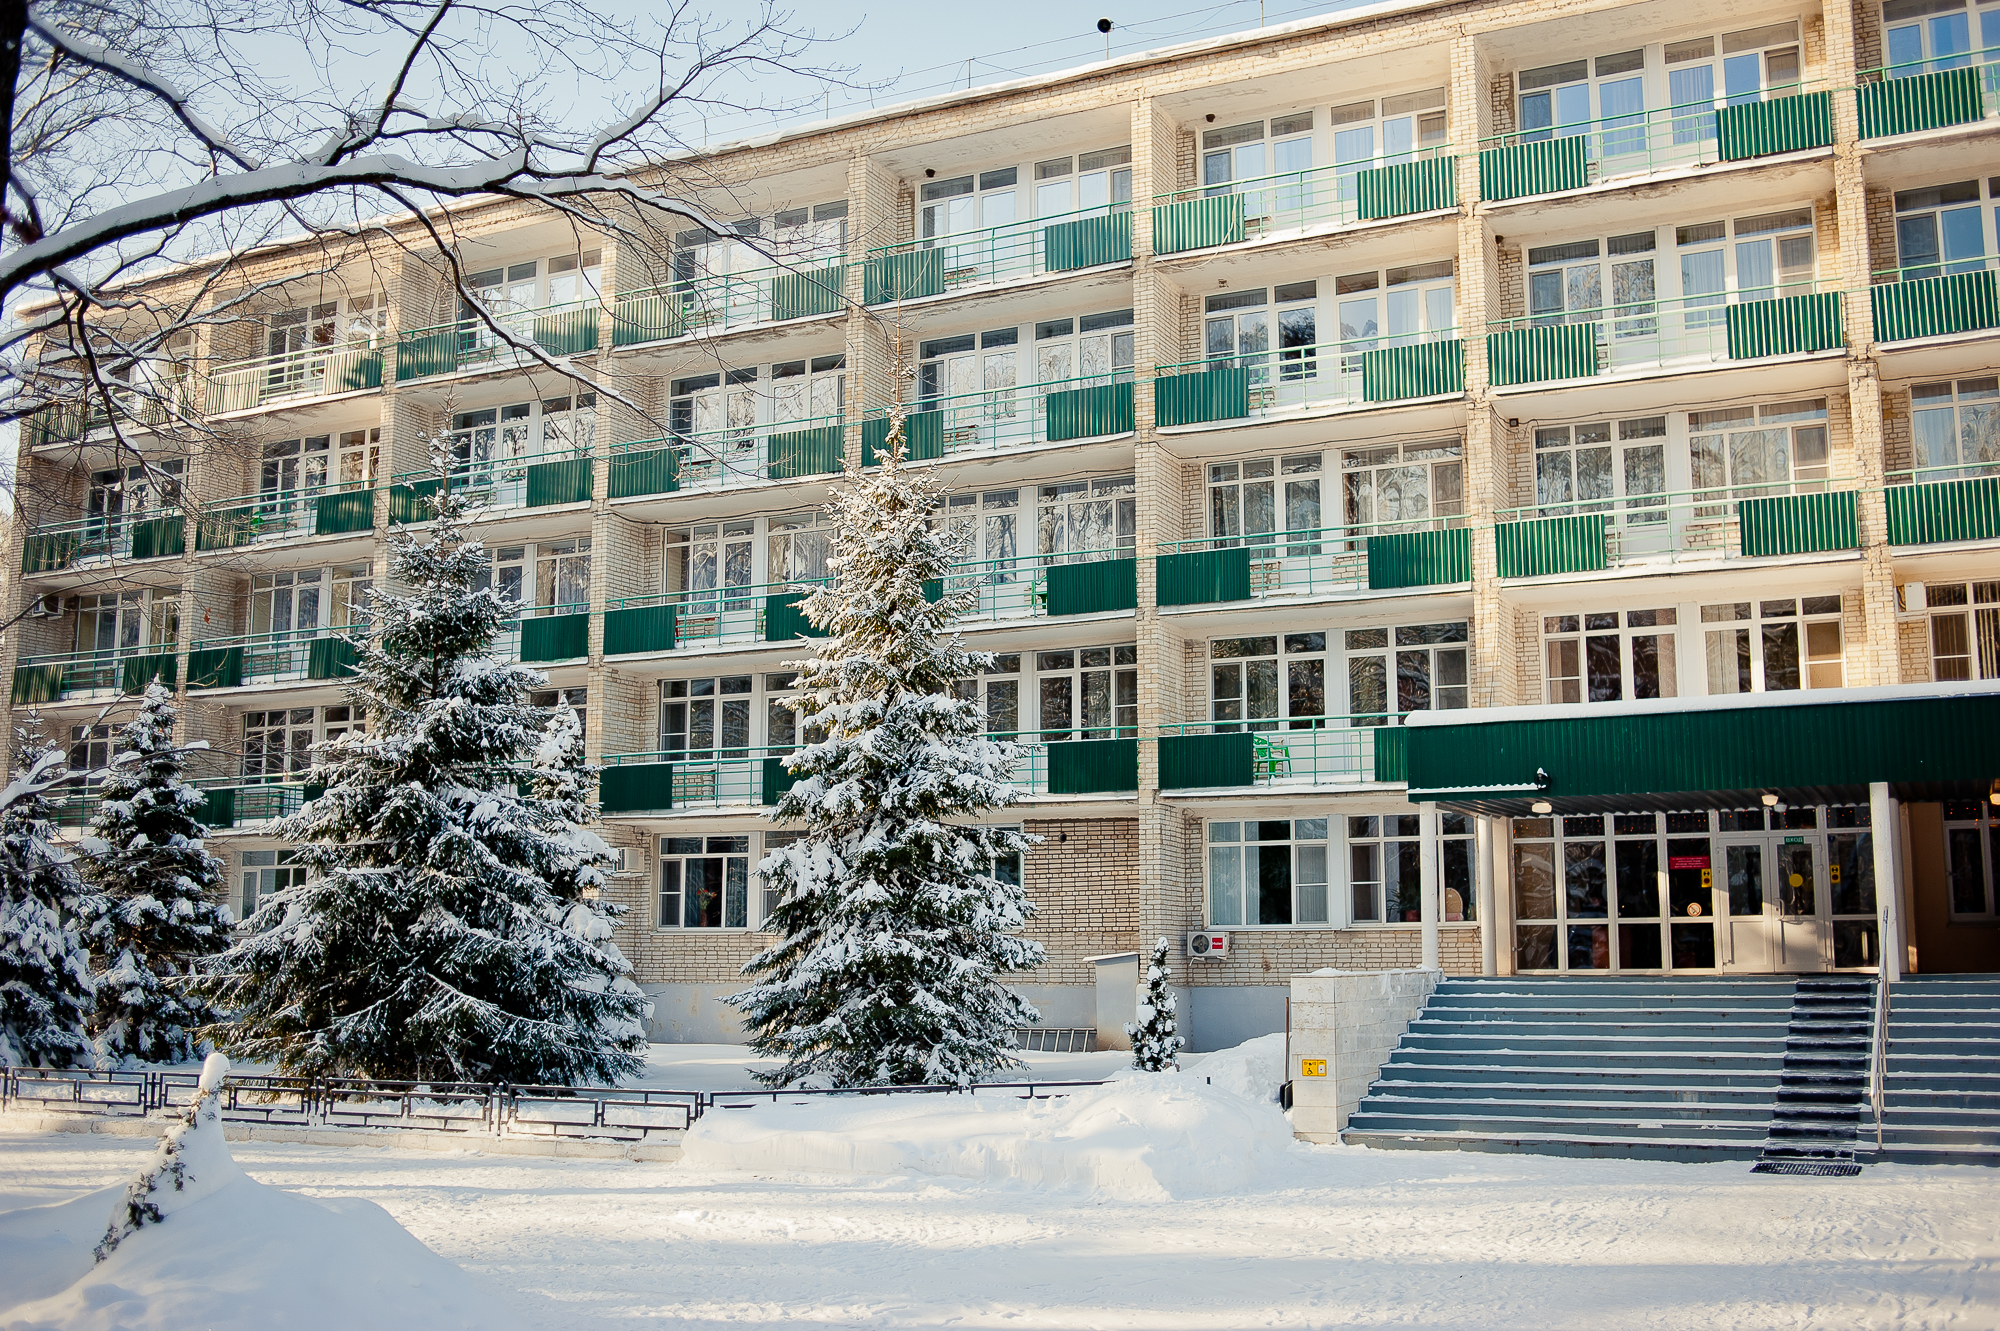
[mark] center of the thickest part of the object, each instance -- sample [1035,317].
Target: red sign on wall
[1687,861]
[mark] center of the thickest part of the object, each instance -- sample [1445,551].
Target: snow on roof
[1725,703]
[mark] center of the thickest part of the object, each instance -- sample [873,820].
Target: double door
[1773,903]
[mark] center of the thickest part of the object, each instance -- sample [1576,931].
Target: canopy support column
[1888,892]
[1427,880]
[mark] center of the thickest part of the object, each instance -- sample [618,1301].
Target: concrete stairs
[1824,1085]
[1942,1088]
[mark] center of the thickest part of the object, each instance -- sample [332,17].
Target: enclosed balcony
[1684,332]
[1312,752]
[1312,563]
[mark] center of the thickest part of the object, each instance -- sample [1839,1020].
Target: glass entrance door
[1748,919]
[1800,925]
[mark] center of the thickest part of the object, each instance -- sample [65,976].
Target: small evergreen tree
[46,991]
[1156,1037]
[895,929]
[429,940]
[160,911]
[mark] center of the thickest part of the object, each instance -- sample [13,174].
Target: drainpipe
[1882,838]
[1428,894]
[1484,893]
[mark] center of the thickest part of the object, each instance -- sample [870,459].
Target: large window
[1270,871]
[1609,656]
[1428,662]
[1082,520]
[482,440]
[1087,693]
[122,621]
[704,882]
[1965,629]
[1558,100]
[1096,346]
[1394,128]
[1929,35]
[1773,646]
[1237,328]
[277,745]
[1402,486]
[1773,445]
[967,203]
[532,284]
[1249,502]
[1972,854]
[1088,180]
[1392,307]
[1943,228]
[266,872]
[1236,157]
[716,718]
[1253,685]
[1385,868]
[543,578]
[998,692]
[1956,424]
[305,601]
[1586,468]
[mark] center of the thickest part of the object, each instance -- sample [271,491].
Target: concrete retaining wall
[1344,1027]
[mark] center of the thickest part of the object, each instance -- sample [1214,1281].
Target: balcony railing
[714,302]
[170,401]
[148,533]
[1292,202]
[1314,562]
[914,269]
[271,658]
[546,633]
[1308,378]
[1928,94]
[248,801]
[1276,752]
[285,514]
[1935,299]
[64,675]
[538,482]
[720,459]
[264,381]
[1936,505]
[1086,407]
[568,329]
[1664,333]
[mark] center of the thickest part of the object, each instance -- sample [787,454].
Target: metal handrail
[1879,1057]
[1687,118]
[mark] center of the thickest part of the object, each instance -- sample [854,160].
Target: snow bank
[1144,1137]
[227,1254]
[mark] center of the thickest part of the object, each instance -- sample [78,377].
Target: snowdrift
[1143,1137]
[228,1254]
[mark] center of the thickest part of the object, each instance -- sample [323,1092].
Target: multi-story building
[1634,365]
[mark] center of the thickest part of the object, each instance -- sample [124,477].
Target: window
[1248,502]
[809,390]
[1095,347]
[798,546]
[1088,693]
[1556,100]
[989,522]
[998,691]
[1080,521]
[1396,128]
[1271,871]
[307,600]
[291,333]
[707,407]
[1971,852]
[1385,873]
[120,621]
[1395,307]
[967,203]
[1238,326]
[1610,656]
[700,561]
[90,749]
[1956,424]
[964,367]
[1402,487]
[1942,229]
[1429,663]
[1788,644]
[1582,468]
[1249,680]
[781,718]
[482,439]
[277,745]
[1965,629]
[130,491]
[1091,180]
[1747,447]
[707,719]
[562,576]
[1929,35]
[1738,67]
[264,873]
[704,882]
[577,700]
[1587,892]
[534,284]
[815,232]
[1238,158]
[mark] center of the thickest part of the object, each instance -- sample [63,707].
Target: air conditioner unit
[46,607]
[1208,944]
[624,859]
[1910,598]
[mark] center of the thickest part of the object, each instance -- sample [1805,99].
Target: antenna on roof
[1104,26]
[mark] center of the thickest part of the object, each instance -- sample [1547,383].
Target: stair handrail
[1879,1056]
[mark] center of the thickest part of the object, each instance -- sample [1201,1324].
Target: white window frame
[677,851]
[1964,618]
[1567,639]
[1810,618]
[1308,855]
[263,872]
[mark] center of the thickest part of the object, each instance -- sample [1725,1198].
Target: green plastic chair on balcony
[1270,759]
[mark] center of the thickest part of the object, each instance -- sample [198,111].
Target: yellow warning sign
[1312,1067]
[1707,878]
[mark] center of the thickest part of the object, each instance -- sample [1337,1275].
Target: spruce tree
[46,991]
[1156,1037]
[427,941]
[895,928]
[160,912]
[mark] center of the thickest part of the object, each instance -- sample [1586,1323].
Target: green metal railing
[174,401]
[1328,374]
[245,385]
[706,617]
[246,801]
[1278,751]
[62,675]
[1088,406]
[720,459]
[283,514]
[1679,526]
[710,303]
[1928,94]
[914,269]
[1313,561]
[147,533]
[545,633]
[568,329]
[525,482]
[1288,202]
[1936,505]
[1682,331]
[268,658]
[1935,299]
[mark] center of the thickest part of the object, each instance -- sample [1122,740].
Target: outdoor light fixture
[1770,801]
[1993,793]
[1542,806]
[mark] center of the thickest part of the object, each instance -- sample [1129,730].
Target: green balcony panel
[814,452]
[1534,168]
[135,673]
[157,537]
[1922,101]
[803,295]
[407,502]
[567,332]
[37,683]
[1087,242]
[1428,369]
[1781,125]
[49,551]
[565,482]
[1407,187]
[1935,306]
[1195,762]
[1392,753]
[656,471]
[640,628]
[636,788]
[1194,224]
[1094,767]
[227,528]
[1939,511]
[1220,394]
[1785,326]
[355,372]
[923,438]
[1086,413]
[215,667]
[218,807]
[774,781]
[1419,558]
[349,512]
[331,658]
[1201,577]
[1543,546]
[784,621]
[555,638]
[424,354]
[1799,524]
[908,276]
[639,319]
[1093,588]
[1532,355]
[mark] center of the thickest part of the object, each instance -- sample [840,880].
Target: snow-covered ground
[932,1212]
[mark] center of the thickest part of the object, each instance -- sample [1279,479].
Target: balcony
[145,534]
[299,376]
[1322,562]
[722,459]
[168,402]
[1682,333]
[1928,94]
[914,269]
[1301,380]
[1311,751]
[545,634]
[285,515]
[243,801]
[1934,300]
[1679,527]
[487,487]
[290,656]
[716,302]
[1572,156]
[60,677]
[1061,410]
[569,329]
[1295,202]
[1941,505]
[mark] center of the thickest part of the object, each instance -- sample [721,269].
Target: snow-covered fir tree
[1156,1037]
[430,939]
[160,911]
[46,990]
[895,929]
